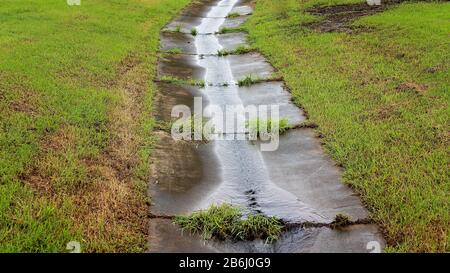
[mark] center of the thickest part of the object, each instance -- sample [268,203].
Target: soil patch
[338,18]
[412,87]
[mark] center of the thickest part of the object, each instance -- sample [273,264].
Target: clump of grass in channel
[178,28]
[227,222]
[260,125]
[194,32]
[233,15]
[178,81]
[250,80]
[175,50]
[225,30]
[341,220]
[242,49]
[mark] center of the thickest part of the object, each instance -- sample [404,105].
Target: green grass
[242,49]
[175,80]
[58,95]
[393,142]
[194,32]
[227,222]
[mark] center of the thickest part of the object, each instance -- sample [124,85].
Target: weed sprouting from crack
[250,80]
[233,15]
[228,222]
[225,30]
[265,125]
[178,81]
[242,49]
[175,50]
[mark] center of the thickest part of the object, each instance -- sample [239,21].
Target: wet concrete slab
[179,178]
[186,23]
[242,9]
[235,22]
[253,64]
[183,41]
[169,95]
[249,3]
[165,237]
[272,93]
[351,239]
[186,42]
[183,24]
[301,167]
[231,41]
[199,8]
[246,184]
[192,18]
[180,66]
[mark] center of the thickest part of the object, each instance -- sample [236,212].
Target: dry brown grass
[109,208]
[419,89]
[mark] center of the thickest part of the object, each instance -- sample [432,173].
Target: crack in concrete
[287,226]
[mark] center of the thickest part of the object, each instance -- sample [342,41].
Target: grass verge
[76,92]
[380,98]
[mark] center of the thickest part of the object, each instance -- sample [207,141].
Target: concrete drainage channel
[296,183]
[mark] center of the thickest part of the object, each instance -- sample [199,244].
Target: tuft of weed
[265,125]
[178,28]
[259,226]
[250,80]
[247,81]
[341,220]
[227,222]
[233,15]
[242,49]
[225,30]
[175,50]
[194,32]
[178,81]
